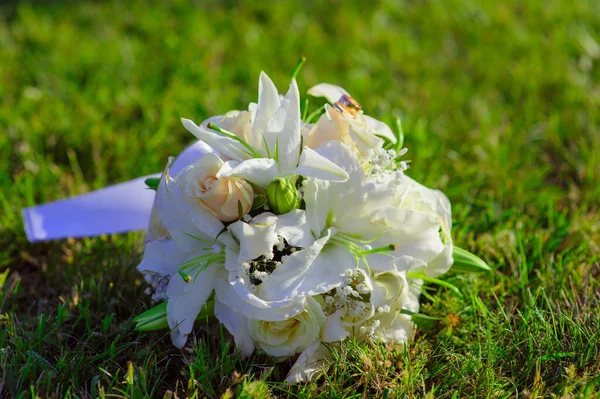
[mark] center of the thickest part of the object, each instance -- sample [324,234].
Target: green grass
[499,102]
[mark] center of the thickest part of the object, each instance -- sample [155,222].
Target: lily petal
[324,130]
[282,132]
[294,227]
[237,295]
[260,171]
[331,92]
[256,238]
[309,364]
[168,204]
[237,325]
[223,145]
[187,299]
[380,128]
[364,139]
[311,271]
[312,164]
[163,257]
[268,103]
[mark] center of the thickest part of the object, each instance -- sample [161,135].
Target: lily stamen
[186,277]
[387,248]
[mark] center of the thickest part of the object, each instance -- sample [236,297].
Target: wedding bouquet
[296,234]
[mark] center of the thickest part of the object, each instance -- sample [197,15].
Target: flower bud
[282,196]
[228,197]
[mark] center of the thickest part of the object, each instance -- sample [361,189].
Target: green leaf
[399,135]
[421,320]
[152,182]
[3,277]
[153,319]
[437,281]
[259,201]
[466,262]
[156,318]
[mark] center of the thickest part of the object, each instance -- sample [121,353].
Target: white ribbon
[115,209]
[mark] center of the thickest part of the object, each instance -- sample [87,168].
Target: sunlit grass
[499,105]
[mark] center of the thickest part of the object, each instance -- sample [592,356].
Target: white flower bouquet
[296,234]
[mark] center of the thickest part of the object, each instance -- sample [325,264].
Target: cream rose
[291,336]
[224,196]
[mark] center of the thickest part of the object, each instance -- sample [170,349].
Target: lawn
[500,108]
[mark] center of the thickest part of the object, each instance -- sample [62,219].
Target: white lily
[255,279]
[183,246]
[267,143]
[370,212]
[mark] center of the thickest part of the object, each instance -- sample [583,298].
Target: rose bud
[228,198]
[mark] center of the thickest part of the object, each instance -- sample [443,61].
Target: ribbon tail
[116,209]
[119,208]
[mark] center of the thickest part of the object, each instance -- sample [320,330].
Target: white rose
[395,288]
[222,195]
[291,336]
[435,204]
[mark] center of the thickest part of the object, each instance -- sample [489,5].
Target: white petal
[295,229]
[223,145]
[169,204]
[395,328]
[268,103]
[340,154]
[194,211]
[187,299]
[324,130]
[237,295]
[309,364]
[282,133]
[415,234]
[380,128]
[190,155]
[208,165]
[331,92]
[312,164]
[260,171]
[334,329]
[231,260]
[441,264]
[318,204]
[412,299]
[179,339]
[163,257]
[364,139]
[311,271]
[237,325]
[256,238]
